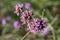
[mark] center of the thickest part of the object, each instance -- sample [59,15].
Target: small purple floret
[3,21]
[17,24]
[27,5]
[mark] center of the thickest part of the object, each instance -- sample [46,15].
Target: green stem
[43,13]
[53,33]
[25,35]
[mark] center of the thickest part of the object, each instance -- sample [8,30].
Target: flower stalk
[43,13]
[25,35]
[53,32]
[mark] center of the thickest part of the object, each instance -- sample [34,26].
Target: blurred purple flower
[46,31]
[18,8]
[27,5]
[3,21]
[8,18]
[37,25]
[17,24]
[26,16]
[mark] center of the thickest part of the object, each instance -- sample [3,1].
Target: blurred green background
[52,7]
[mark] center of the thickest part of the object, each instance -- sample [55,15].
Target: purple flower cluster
[18,8]
[37,25]
[26,16]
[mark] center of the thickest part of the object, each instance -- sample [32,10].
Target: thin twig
[53,32]
[25,35]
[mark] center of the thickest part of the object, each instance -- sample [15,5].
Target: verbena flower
[18,8]
[3,21]
[17,24]
[27,5]
[26,16]
[37,25]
